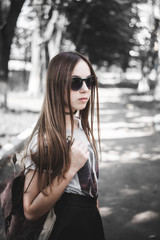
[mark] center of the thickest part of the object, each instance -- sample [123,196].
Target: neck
[68,113]
[68,122]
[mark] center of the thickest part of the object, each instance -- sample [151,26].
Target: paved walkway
[129,189]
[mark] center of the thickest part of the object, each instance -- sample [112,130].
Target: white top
[85,180]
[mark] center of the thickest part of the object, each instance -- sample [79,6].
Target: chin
[80,107]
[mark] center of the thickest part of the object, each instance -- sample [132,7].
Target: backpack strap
[48,225]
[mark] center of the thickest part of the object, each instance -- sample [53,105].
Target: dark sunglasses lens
[76,83]
[90,82]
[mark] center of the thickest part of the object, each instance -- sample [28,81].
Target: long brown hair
[52,154]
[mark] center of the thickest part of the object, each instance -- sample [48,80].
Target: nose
[84,87]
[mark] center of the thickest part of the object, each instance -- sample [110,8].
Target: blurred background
[121,38]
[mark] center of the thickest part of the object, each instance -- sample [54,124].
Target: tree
[156,7]
[46,40]
[9,12]
[102,29]
[148,46]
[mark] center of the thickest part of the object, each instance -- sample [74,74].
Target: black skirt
[77,218]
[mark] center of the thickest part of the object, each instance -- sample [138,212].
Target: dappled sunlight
[132,114]
[144,187]
[147,119]
[127,156]
[115,127]
[144,217]
[156,149]
[134,156]
[112,99]
[110,156]
[129,145]
[128,175]
[105,211]
[109,95]
[128,191]
[9,148]
[120,124]
[23,101]
[155,157]
[125,133]
[104,111]
[130,106]
[25,134]
[143,98]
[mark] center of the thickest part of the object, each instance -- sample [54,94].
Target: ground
[129,189]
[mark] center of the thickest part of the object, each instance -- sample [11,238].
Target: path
[129,190]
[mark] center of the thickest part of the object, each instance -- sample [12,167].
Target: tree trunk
[6,35]
[157,17]
[35,78]
[39,43]
[56,41]
[157,88]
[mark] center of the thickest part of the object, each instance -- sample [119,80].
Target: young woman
[62,159]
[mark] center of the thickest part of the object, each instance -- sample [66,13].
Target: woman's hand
[79,155]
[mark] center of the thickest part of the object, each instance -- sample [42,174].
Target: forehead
[81,69]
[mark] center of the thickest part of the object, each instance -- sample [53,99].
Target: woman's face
[80,98]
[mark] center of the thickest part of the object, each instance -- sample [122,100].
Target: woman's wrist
[70,173]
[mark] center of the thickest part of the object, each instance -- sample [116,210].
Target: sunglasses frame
[83,80]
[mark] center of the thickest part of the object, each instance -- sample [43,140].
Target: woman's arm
[35,203]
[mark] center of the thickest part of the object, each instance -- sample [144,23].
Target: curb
[9,149]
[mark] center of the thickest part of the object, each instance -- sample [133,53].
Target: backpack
[17,227]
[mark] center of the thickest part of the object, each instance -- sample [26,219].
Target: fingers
[79,155]
[79,147]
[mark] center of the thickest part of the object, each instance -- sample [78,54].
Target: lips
[83,99]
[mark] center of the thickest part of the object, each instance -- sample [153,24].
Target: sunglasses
[77,82]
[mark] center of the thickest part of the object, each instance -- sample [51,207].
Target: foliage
[102,29]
